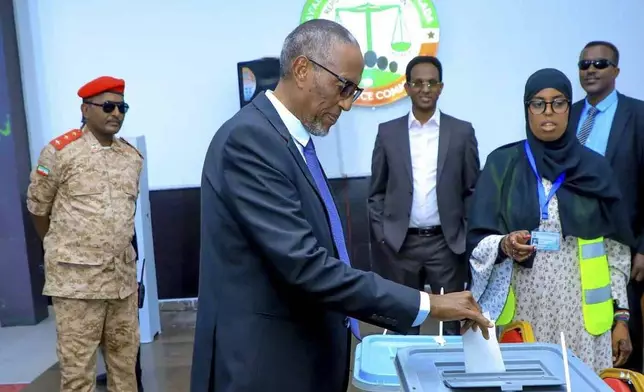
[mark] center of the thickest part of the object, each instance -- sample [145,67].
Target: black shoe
[101,379]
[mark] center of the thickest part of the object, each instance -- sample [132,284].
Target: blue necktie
[332,212]
[587,126]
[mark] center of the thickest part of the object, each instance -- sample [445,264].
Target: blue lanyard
[543,200]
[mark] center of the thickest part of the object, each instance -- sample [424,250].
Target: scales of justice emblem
[390,33]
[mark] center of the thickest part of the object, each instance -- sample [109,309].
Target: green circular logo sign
[390,32]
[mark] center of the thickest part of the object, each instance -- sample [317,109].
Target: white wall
[179,61]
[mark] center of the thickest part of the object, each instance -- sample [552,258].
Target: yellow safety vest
[596,298]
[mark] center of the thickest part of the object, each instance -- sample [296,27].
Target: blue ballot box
[374,369]
[386,363]
[533,367]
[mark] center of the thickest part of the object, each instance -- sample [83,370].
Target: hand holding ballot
[482,355]
[460,306]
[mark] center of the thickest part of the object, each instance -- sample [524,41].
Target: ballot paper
[482,356]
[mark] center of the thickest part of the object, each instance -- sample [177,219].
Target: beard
[316,128]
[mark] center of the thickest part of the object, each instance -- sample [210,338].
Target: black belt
[425,231]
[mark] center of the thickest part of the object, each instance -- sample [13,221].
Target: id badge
[545,240]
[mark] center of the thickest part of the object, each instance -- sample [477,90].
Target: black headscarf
[506,199]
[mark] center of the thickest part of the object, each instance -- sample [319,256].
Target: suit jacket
[391,189]
[625,152]
[272,293]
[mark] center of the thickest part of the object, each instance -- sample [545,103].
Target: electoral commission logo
[390,32]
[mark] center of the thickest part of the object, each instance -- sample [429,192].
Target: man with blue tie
[612,124]
[277,294]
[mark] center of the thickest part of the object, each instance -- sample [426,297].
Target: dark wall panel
[21,272]
[175,228]
[176,220]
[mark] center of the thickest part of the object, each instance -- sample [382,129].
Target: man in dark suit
[612,124]
[277,294]
[423,172]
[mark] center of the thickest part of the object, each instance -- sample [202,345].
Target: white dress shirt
[302,137]
[293,124]
[423,146]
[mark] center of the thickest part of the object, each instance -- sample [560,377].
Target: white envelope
[482,356]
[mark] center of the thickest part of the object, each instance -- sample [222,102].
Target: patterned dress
[549,294]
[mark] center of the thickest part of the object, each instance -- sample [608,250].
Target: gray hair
[314,39]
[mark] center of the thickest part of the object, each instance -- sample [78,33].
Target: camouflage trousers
[84,325]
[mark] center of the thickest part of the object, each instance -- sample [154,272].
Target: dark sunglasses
[599,64]
[109,106]
[348,88]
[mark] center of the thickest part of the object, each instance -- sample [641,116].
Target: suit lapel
[266,107]
[401,134]
[622,114]
[443,144]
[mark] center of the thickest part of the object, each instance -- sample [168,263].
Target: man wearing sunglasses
[612,124]
[278,299]
[82,197]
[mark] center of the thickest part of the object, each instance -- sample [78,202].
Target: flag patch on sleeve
[43,171]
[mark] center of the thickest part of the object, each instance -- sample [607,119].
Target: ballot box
[530,367]
[373,367]
[385,363]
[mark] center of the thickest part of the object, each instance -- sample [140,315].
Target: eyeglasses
[599,64]
[538,106]
[348,88]
[109,106]
[419,84]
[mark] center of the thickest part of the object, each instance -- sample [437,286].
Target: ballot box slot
[520,375]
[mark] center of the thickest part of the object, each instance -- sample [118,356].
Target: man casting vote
[278,298]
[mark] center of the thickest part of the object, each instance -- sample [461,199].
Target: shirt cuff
[423,309]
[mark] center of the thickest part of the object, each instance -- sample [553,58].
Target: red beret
[102,85]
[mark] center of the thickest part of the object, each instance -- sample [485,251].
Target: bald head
[317,40]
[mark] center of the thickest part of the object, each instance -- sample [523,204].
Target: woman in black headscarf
[548,238]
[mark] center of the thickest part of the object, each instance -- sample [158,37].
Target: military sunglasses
[109,106]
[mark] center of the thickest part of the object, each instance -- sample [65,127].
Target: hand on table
[460,306]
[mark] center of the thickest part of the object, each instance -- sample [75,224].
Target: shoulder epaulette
[134,148]
[62,141]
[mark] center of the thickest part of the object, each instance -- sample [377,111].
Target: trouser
[82,325]
[101,379]
[426,260]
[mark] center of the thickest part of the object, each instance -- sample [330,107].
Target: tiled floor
[166,362]
[26,352]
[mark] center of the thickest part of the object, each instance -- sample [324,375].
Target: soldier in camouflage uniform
[82,196]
